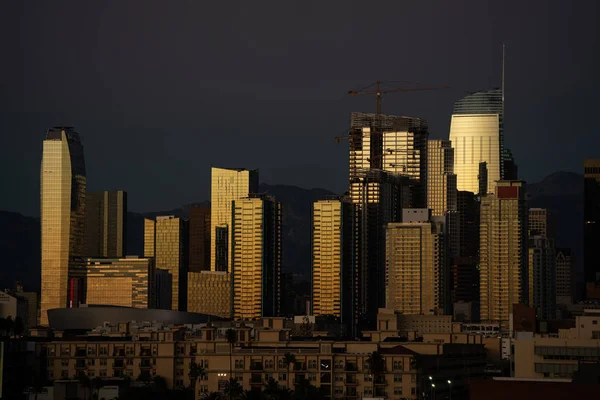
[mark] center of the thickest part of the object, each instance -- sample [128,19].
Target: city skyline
[270,91]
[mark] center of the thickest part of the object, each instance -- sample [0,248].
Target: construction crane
[378,92]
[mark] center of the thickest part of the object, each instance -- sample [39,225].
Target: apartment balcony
[256,366]
[80,364]
[380,392]
[119,353]
[80,353]
[351,380]
[256,379]
[118,364]
[351,367]
[300,366]
[145,365]
[380,380]
[146,353]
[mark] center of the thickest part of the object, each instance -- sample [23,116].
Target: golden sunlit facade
[256,257]
[503,252]
[414,267]
[227,185]
[332,259]
[123,282]
[170,253]
[209,292]
[62,187]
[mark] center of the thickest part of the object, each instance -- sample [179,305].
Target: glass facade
[105,224]
[476,133]
[120,282]
[62,187]
[199,239]
[565,276]
[332,261]
[227,185]
[542,275]
[209,293]
[256,257]
[503,252]
[414,267]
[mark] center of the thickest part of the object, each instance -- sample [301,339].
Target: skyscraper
[106,224]
[62,190]
[565,276]
[542,223]
[441,189]
[503,251]
[256,257]
[209,292]
[333,264]
[169,236]
[227,185]
[542,275]
[591,215]
[468,212]
[199,243]
[511,170]
[476,133]
[416,280]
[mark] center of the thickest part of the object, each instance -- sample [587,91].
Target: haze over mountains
[561,192]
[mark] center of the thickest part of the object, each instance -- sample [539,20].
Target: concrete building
[441,189]
[542,222]
[469,215]
[256,257]
[209,292]
[62,198]
[541,356]
[126,282]
[332,259]
[503,252]
[476,133]
[8,306]
[416,279]
[542,275]
[165,239]
[106,224]
[565,276]
[227,186]
[199,241]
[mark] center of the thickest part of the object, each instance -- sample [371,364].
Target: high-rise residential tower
[106,224]
[63,186]
[199,242]
[542,275]
[256,257]
[591,215]
[503,252]
[166,240]
[416,277]
[227,185]
[333,264]
[441,189]
[476,133]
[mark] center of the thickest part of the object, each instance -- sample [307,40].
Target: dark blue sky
[161,90]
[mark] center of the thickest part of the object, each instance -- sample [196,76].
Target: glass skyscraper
[476,133]
[62,192]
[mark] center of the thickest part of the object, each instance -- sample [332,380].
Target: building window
[91,361]
[103,362]
[368,378]
[280,364]
[64,363]
[282,377]
[368,391]
[91,351]
[397,365]
[312,377]
[91,373]
[104,350]
[397,378]
[312,364]
[179,372]
[102,373]
[398,390]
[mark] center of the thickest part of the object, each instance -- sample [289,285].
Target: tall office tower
[209,293]
[542,222]
[199,241]
[542,275]
[565,276]
[464,283]
[227,185]
[468,212]
[482,179]
[476,133]
[376,196]
[106,224]
[511,170]
[332,259]
[169,235]
[415,264]
[62,192]
[503,255]
[126,282]
[441,189]
[149,237]
[397,145]
[162,295]
[591,215]
[256,257]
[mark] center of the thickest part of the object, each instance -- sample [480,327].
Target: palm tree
[289,359]
[231,337]
[10,326]
[376,365]
[212,396]
[251,395]
[233,388]
[85,381]
[272,389]
[160,383]
[305,391]
[96,384]
[196,370]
